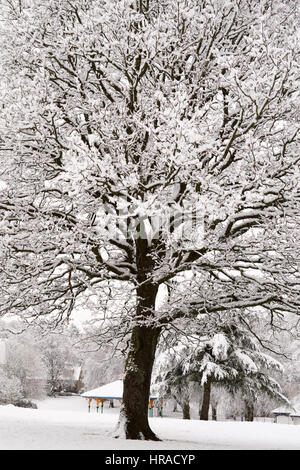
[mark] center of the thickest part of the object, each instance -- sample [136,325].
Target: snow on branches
[229,356]
[144,139]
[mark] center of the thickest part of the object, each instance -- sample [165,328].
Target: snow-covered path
[64,423]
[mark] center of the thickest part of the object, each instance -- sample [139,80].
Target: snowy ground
[64,423]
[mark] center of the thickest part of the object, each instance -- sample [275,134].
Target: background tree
[60,359]
[43,362]
[228,355]
[24,364]
[142,139]
[169,380]
[102,367]
[290,381]
[216,398]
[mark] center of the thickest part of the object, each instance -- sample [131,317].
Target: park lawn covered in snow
[64,423]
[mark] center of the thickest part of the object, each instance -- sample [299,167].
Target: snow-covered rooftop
[293,410]
[283,410]
[108,391]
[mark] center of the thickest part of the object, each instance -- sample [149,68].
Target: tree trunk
[133,421]
[186,410]
[214,413]
[205,400]
[249,411]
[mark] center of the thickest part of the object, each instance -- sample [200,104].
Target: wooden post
[89,404]
[98,405]
[151,408]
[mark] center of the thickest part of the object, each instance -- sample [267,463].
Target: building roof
[283,410]
[109,391]
[292,410]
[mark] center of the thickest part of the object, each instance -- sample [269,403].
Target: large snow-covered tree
[141,139]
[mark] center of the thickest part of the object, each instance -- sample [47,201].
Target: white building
[288,414]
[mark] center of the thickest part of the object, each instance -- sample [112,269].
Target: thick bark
[133,421]
[186,410]
[205,400]
[249,411]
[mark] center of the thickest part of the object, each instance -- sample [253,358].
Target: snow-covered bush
[10,388]
[24,403]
